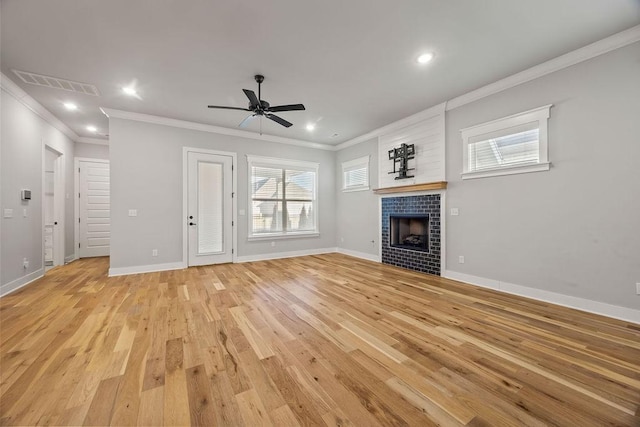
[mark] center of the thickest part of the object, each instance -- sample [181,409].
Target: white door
[209,208]
[95,213]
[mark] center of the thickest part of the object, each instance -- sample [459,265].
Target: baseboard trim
[69,259]
[21,282]
[152,268]
[358,254]
[604,309]
[291,254]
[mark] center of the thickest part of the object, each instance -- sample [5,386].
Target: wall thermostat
[25,194]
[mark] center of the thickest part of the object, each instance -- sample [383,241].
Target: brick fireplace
[411,232]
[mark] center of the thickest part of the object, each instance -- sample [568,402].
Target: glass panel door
[210,208]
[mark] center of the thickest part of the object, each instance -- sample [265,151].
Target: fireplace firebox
[409,232]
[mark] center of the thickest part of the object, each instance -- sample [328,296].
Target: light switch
[455,212]
[24,212]
[8,213]
[133,212]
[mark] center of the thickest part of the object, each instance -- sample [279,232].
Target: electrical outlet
[455,211]
[24,212]
[461,259]
[638,288]
[154,252]
[133,212]
[25,263]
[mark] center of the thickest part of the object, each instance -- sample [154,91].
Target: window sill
[351,190]
[260,237]
[538,167]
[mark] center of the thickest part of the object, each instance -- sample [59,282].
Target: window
[355,174]
[514,144]
[283,198]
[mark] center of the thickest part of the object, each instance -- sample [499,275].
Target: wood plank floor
[318,340]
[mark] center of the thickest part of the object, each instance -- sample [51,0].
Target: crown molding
[94,141]
[24,98]
[402,123]
[183,124]
[582,54]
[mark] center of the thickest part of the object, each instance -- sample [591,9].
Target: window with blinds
[514,144]
[283,197]
[355,174]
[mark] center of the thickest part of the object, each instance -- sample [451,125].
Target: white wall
[357,212]
[574,230]
[428,138]
[23,135]
[146,174]
[92,151]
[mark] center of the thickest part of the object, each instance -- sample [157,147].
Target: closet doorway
[53,208]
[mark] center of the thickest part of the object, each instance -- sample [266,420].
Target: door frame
[58,205]
[76,200]
[185,199]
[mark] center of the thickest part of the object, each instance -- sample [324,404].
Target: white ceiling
[351,63]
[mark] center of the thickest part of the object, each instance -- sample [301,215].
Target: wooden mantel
[439,185]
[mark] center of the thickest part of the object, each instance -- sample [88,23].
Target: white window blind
[283,197]
[514,144]
[355,174]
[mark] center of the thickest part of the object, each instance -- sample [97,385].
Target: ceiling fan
[258,107]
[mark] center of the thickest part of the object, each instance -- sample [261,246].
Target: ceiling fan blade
[246,121]
[279,120]
[292,107]
[253,99]
[228,108]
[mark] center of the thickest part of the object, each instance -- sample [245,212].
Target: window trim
[352,164]
[283,164]
[539,115]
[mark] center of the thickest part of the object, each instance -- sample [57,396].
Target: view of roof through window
[508,150]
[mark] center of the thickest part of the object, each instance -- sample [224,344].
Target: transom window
[283,197]
[514,144]
[355,174]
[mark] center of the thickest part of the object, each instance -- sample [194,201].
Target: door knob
[192,223]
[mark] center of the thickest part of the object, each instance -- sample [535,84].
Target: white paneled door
[209,208]
[95,213]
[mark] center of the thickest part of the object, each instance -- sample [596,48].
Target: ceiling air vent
[56,83]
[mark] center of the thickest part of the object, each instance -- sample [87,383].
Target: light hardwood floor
[314,340]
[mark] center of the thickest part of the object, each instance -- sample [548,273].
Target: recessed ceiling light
[70,106]
[311,127]
[92,128]
[129,91]
[425,57]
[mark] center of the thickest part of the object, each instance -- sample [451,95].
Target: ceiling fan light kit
[259,107]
